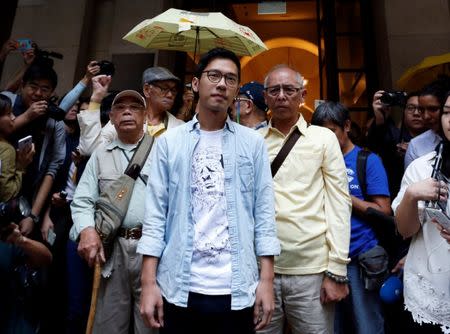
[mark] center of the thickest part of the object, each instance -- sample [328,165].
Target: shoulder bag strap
[287,147]
[361,165]
[139,157]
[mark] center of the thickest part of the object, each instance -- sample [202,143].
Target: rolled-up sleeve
[84,199]
[156,202]
[266,241]
[337,207]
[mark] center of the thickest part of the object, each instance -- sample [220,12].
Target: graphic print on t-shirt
[211,258]
[209,204]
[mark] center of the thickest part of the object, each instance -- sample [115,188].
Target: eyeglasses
[288,90]
[241,99]
[215,76]
[412,108]
[44,89]
[165,90]
[122,107]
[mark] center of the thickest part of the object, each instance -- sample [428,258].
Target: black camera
[14,210]
[43,57]
[106,67]
[394,98]
[55,112]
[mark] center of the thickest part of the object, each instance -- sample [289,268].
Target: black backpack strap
[287,147]
[361,165]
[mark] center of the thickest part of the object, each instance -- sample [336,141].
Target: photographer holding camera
[35,116]
[388,140]
[17,255]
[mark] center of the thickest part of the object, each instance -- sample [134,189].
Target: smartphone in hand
[25,142]
[439,216]
[24,44]
[51,237]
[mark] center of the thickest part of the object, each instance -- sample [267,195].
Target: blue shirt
[168,230]
[362,236]
[421,145]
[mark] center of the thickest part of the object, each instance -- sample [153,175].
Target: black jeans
[208,315]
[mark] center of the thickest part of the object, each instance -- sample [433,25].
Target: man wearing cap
[119,292]
[160,88]
[249,107]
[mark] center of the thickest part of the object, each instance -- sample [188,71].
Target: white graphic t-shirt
[211,259]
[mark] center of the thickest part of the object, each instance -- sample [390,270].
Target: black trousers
[208,315]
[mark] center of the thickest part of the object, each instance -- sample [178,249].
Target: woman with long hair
[423,194]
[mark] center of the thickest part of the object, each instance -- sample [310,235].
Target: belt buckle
[131,233]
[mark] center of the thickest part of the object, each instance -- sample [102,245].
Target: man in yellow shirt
[313,209]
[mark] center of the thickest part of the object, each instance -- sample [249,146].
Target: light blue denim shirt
[168,230]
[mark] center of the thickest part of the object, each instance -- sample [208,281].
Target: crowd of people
[122,213]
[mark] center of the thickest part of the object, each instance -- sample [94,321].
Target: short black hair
[5,104]
[215,54]
[437,88]
[330,111]
[40,72]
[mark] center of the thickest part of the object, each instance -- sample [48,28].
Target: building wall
[405,32]
[81,29]
[414,29]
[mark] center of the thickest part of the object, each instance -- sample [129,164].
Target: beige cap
[130,93]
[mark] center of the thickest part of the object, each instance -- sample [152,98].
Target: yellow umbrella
[181,30]
[424,72]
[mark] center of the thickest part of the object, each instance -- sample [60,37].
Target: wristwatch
[34,218]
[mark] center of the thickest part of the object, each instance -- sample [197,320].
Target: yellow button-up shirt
[312,202]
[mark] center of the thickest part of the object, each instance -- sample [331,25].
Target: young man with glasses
[249,107]
[209,216]
[313,208]
[391,142]
[431,100]
[31,110]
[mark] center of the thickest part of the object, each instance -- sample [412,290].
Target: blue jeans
[361,308]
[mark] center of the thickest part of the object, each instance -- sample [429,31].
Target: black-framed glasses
[288,90]
[165,90]
[35,87]
[215,76]
[412,108]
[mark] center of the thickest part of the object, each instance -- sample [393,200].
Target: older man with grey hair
[120,288]
[160,87]
[312,207]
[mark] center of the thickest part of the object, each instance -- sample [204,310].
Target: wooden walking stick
[95,287]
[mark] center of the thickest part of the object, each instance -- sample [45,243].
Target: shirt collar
[194,124]
[118,143]
[301,125]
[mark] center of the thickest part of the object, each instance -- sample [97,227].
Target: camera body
[394,98]
[14,210]
[106,67]
[55,112]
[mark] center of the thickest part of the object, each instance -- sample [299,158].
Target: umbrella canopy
[424,72]
[181,30]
